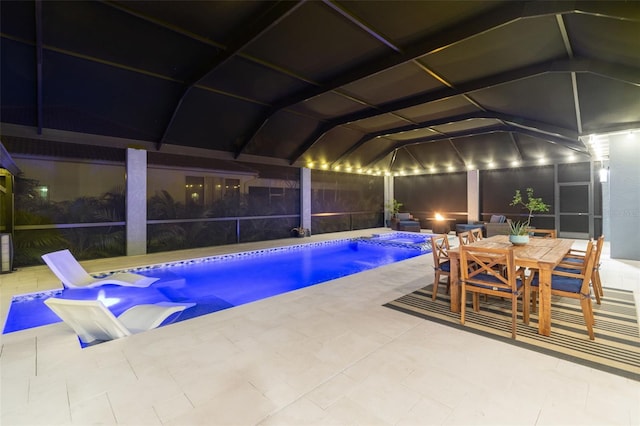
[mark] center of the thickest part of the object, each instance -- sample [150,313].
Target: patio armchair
[498,225]
[405,222]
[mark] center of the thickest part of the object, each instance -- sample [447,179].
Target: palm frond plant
[393,206]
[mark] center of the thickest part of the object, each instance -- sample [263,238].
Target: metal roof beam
[259,26]
[413,157]
[516,145]
[469,28]
[623,73]
[497,17]
[569,144]
[516,121]
[620,10]
[437,138]
[39,59]
[361,24]
[519,122]
[206,41]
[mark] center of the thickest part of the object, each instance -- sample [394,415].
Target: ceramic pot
[519,240]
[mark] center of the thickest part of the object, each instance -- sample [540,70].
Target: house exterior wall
[624,195]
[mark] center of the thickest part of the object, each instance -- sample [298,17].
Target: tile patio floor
[324,355]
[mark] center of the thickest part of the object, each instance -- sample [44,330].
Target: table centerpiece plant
[519,231]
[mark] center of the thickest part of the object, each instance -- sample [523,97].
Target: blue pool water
[404,239]
[221,282]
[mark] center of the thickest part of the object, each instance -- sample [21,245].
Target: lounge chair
[93,322]
[73,275]
[405,222]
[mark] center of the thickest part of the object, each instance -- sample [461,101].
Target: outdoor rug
[616,348]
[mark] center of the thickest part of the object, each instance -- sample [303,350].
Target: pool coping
[260,252]
[226,256]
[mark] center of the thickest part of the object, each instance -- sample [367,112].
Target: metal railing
[237,219]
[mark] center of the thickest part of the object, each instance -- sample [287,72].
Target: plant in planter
[519,231]
[393,207]
[299,231]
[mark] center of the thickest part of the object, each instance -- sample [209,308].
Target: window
[194,190]
[231,187]
[42,191]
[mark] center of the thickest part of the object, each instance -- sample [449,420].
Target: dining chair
[543,233]
[476,234]
[468,237]
[572,283]
[492,272]
[465,238]
[441,264]
[574,260]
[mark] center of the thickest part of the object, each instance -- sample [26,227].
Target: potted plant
[393,207]
[300,232]
[519,231]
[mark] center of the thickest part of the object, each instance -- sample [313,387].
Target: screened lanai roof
[360,85]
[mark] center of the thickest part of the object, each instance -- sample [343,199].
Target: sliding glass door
[575,210]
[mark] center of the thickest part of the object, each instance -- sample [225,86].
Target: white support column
[136,201]
[606,201]
[624,197]
[473,196]
[305,197]
[388,196]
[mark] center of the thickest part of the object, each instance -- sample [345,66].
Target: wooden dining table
[542,254]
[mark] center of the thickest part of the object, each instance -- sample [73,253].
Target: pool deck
[330,354]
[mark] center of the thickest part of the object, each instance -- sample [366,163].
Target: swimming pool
[414,240]
[221,282]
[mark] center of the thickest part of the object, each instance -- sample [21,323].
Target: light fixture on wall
[604,175]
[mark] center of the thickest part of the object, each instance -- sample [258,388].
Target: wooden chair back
[441,264]
[492,267]
[584,292]
[599,245]
[492,272]
[465,238]
[476,234]
[595,279]
[440,249]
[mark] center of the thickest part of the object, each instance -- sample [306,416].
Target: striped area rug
[616,348]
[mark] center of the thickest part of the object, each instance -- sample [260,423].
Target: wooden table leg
[454,287]
[544,313]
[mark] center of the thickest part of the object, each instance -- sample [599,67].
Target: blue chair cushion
[409,223]
[445,266]
[461,227]
[570,270]
[491,279]
[569,284]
